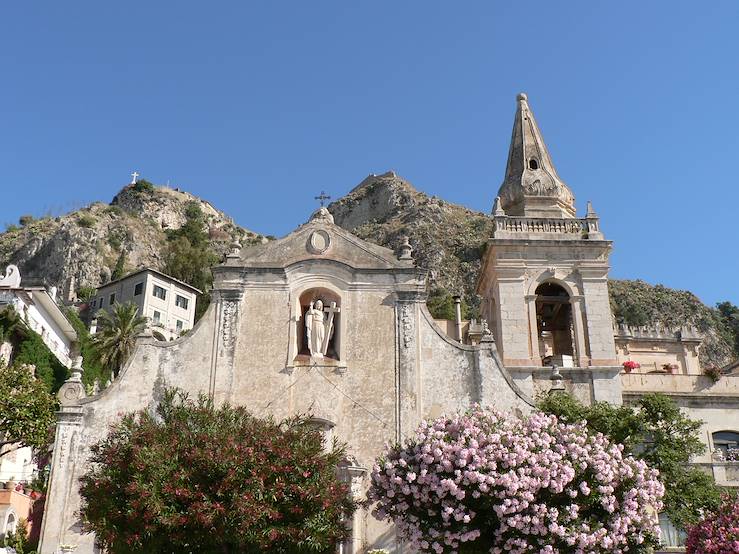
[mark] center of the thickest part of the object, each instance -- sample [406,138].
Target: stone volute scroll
[12,278]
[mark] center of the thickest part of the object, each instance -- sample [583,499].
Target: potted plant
[713,373]
[669,368]
[630,366]
[10,484]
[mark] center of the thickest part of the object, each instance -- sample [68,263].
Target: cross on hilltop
[322,197]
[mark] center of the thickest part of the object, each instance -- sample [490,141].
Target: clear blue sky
[257,106]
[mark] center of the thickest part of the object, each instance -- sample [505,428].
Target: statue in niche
[319,327]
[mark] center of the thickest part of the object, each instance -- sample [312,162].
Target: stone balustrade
[567,228]
[670,383]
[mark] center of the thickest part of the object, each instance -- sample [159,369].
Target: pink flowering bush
[486,482]
[718,533]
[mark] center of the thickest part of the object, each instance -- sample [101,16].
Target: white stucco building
[167,302]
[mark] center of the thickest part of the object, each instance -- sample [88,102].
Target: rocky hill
[450,240]
[84,248]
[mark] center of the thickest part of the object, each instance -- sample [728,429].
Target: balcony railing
[669,383]
[510,226]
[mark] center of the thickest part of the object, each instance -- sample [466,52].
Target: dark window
[181,302]
[157,316]
[159,292]
[179,325]
[138,289]
[94,301]
[533,164]
[726,440]
[112,299]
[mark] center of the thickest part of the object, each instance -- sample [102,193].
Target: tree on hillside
[196,478]
[485,482]
[730,316]
[189,255]
[26,409]
[116,335]
[658,432]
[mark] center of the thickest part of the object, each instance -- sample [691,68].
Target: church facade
[322,322]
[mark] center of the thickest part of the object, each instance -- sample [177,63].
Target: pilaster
[598,316]
[408,371]
[59,512]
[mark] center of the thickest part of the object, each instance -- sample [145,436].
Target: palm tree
[116,335]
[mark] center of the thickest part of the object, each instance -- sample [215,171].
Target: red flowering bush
[718,533]
[195,478]
[630,366]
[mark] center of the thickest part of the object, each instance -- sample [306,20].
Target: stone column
[59,515]
[581,359]
[533,329]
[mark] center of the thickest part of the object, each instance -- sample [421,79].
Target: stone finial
[497,208]
[522,97]
[77,368]
[590,212]
[557,381]
[235,250]
[405,251]
[322,215]
[12,278]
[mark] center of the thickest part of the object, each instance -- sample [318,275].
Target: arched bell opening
[554,324]
[323,307]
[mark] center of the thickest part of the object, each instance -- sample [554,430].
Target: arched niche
[332,320]
[555,330]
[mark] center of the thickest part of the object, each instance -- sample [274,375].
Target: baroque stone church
[322,322]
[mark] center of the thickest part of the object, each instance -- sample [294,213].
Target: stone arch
[555,330]
[10,521]
[549,277]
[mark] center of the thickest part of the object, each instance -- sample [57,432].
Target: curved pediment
[319,239]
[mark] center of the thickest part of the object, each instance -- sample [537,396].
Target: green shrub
[25,220]
[441,305]
[144,186]
[85,220]
[86,293]
[10,227]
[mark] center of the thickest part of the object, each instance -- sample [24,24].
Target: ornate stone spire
[532,187]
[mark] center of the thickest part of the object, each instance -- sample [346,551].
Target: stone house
[168,303]
[323,322]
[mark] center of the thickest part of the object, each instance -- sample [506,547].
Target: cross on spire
[134,176]
[322,197]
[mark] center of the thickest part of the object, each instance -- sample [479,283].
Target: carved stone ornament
[12,278]
[71,392]
[228,323]
[319,241]
[406,322]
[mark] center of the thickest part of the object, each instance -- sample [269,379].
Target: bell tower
[544,276]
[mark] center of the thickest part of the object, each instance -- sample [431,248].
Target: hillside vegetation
[183,235]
